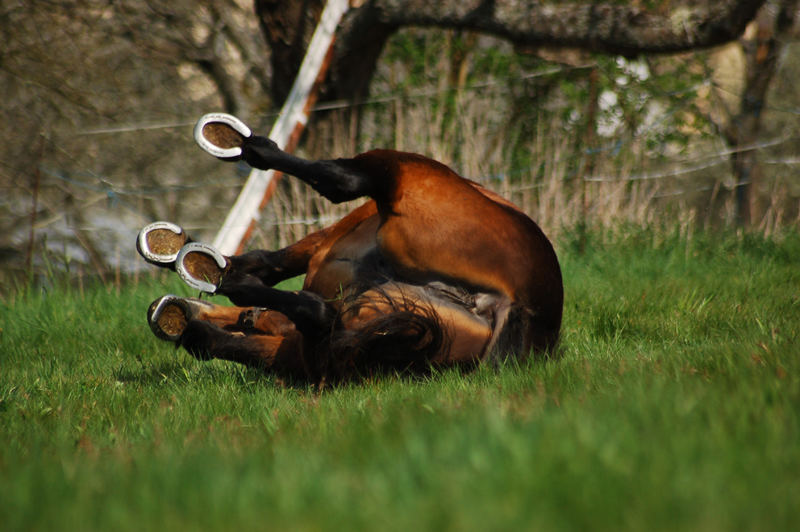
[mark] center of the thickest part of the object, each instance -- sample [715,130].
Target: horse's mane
[404,337]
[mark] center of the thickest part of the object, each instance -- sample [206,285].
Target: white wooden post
[285,132]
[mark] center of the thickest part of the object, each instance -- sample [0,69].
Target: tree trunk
[762,51]
[287,27]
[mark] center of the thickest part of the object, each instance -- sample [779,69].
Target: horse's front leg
[252,336]
[162,244]
[206,269]
[310,313]
[272,267]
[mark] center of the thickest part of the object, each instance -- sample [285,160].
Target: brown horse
[434,270]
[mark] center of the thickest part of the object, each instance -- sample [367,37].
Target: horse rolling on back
[433,270]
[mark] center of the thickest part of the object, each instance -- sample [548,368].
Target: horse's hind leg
[250,336]
[338,180]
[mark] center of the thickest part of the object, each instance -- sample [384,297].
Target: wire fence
[680,166]
[103,196]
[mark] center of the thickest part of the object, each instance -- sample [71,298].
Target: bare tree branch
[600,27]
[595,26]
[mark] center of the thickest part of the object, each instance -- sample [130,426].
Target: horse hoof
[200,266]
[160,242]
[169,315]
[221,135]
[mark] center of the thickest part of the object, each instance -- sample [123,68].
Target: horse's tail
[403,336]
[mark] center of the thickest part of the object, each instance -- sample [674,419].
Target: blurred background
[100,97]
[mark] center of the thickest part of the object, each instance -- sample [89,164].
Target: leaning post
[260,184]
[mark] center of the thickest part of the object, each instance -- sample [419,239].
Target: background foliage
[102,97]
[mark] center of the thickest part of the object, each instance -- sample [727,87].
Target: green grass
[675,405]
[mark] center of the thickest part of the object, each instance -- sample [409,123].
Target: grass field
[675,405]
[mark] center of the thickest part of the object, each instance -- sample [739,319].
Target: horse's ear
[222,135]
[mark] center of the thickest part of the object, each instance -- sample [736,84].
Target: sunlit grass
[675,405]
